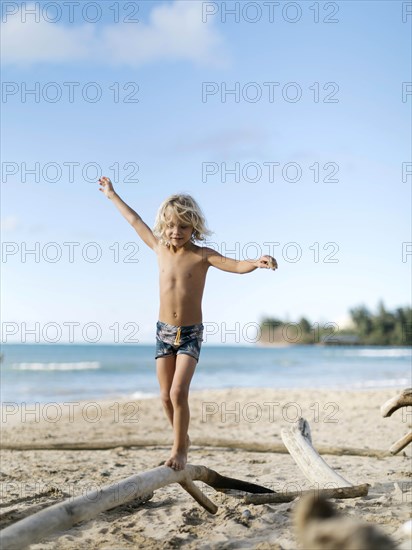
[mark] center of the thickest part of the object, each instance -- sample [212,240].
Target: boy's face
[177,232]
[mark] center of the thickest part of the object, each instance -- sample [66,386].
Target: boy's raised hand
[106,187]
[267,262]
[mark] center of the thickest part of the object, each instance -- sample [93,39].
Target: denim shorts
[173,340]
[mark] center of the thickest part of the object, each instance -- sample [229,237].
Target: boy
[182,268]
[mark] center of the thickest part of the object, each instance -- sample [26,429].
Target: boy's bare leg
[179,394]
[165,370]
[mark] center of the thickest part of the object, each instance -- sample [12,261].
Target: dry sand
[33,479]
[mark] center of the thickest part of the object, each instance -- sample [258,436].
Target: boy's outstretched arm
[238,266]
[143,230]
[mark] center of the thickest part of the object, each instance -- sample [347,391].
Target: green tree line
[382,328]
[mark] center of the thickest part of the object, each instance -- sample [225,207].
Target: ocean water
[33,373]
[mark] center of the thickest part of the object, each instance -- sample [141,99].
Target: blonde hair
[186,210]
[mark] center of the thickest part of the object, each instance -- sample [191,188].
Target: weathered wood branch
[401,443]
[299,443]
[316,524]
[65,514]
[404,399]
[320,526]
[256,447]
[287,496]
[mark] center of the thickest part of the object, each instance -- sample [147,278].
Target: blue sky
[167,139]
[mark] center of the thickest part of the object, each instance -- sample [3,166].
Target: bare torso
[182,276]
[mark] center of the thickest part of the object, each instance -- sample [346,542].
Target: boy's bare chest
[174,269]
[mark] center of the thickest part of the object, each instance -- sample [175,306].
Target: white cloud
[174,32]
[9,223]
[31,42]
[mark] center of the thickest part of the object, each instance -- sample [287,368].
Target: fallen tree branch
[404,399]
[64,515]
[299,443]
[287,496]
[201,442]
[401,443]
[319,525]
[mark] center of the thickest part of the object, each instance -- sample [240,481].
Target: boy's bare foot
[178,460]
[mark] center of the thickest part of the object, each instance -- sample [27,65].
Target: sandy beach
[34,474]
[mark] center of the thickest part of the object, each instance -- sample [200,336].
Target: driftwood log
[401,444]
[219,443]
[320,527]
[298,441]
[404,399]
[329,484]
[141,487]
[287,496]
[64,515]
